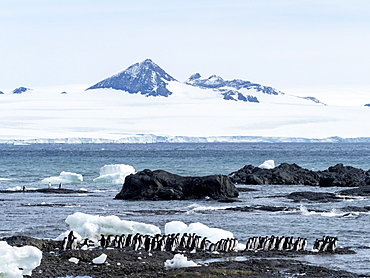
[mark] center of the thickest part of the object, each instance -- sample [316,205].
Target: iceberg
[179,261]
[114,174]
[64,177]
[18,261]
[212,234]
[92,226]
[268,164]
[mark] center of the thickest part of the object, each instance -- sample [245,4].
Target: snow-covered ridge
[151,139]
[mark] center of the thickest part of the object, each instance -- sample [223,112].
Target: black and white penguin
[74,243]
[281,243]
[102,241]
[64,244]
[128,240]
[122,241]
[304,244]
[203,244]
[212,247]
[148,243]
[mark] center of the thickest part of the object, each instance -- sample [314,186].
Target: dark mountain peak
[194,77]
[20,90]
[145,77]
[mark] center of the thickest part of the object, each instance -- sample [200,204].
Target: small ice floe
[213,234]
[74,260]
[114,174]
[100,260]
[179,261]
[64,177]
[92,226]
[18,261]
[268,164]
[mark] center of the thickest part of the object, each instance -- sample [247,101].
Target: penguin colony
[326,244]
[196,243]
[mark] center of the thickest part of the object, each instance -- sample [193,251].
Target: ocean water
[43,215]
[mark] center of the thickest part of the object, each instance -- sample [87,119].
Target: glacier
[188,113]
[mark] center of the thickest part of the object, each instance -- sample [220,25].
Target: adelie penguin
[102,241]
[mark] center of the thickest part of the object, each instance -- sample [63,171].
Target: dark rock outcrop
[283,174]
[321,197]
[162,185]
[340,175]
[286,174]
[359,191]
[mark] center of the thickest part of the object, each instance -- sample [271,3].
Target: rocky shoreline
[130,263]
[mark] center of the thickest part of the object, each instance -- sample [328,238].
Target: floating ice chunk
[18,261]
[64,177]
[74,260]
[175,227]
[92,226]
[212,234]
[268,164]
[100,260]
[179,261]
[114,174]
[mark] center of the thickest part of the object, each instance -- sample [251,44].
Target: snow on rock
[100,260]
[268,164]
[212,234]
[92,226]
[179,261]
[114,174]
[64,177]
[18,261]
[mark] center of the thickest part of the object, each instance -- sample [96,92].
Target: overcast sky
[281,43]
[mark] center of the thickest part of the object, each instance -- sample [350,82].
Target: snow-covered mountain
[146,78]
[144,104]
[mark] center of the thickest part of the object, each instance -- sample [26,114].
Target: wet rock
[359,191]
[340,175]
[322,197]
[260,207]
[283,174]
[287,174]
[162,185]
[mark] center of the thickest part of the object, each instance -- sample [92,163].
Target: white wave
[196,207]
[114,174]
[64,177]
[332,213]
[4,179]
[16,188]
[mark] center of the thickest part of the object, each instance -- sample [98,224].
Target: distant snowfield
[189,111]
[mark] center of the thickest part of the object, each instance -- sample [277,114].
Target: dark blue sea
[43,215]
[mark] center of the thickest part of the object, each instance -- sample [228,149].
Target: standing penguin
[64,244]
[102,241]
